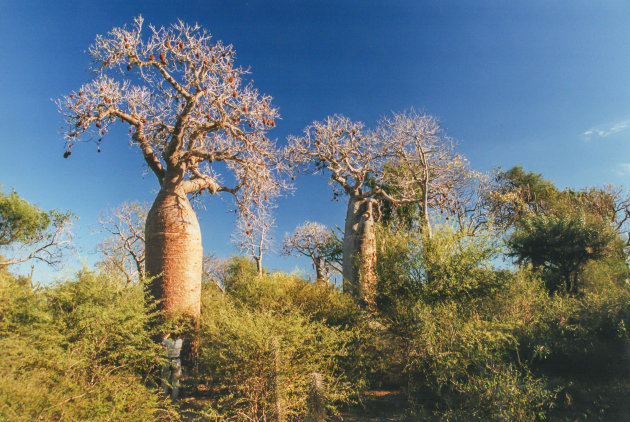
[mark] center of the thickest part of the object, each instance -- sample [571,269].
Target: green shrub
[79,350]
[261,341]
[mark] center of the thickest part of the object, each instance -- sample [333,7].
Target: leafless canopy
[187,107]
[313,240]
[253,233]
[123,249]
[406,159]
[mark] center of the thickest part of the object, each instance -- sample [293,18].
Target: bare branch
[124,248]
[188,107]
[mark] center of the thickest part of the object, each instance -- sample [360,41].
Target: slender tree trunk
[259,267]
[320,276]
[174,254]
[359,250]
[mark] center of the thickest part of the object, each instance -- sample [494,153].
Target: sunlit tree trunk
[174,253]
[320,270]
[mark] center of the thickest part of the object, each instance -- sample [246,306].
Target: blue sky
[545,84]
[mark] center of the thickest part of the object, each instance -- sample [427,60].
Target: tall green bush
[262,339]
[79,350]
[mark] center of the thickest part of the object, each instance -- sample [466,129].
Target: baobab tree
[406,160]
[313,240]
[341,147]
[200,126]
[124,249]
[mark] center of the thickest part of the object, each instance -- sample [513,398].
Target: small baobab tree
[313,240]
[200,126]
[123,249]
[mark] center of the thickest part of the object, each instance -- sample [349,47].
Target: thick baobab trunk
[359,250]
[174,254]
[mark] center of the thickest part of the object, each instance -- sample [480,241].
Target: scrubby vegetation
[457,330]
[462,340]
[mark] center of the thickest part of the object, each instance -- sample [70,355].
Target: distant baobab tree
[200,126]
[407,159]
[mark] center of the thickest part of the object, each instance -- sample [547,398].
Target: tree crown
[188,108]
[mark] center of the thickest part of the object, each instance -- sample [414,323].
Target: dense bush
[477,343]
[79,350]
[461,338]
[262,340]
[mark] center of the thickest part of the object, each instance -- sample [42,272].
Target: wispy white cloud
[623,169]
[603,131]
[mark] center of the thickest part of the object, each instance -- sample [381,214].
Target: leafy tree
[561,246]
[517,193]
[200,127]
[28,233]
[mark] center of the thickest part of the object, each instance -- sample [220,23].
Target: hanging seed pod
[71,95]
[167,43]
[129,67]
[151,57]
[66,154]
[214,59]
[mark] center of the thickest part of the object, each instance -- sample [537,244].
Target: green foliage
[469,342]
[76,351]
[261,341]
[20,221]
[451,265]
[561,246]
[26,227]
